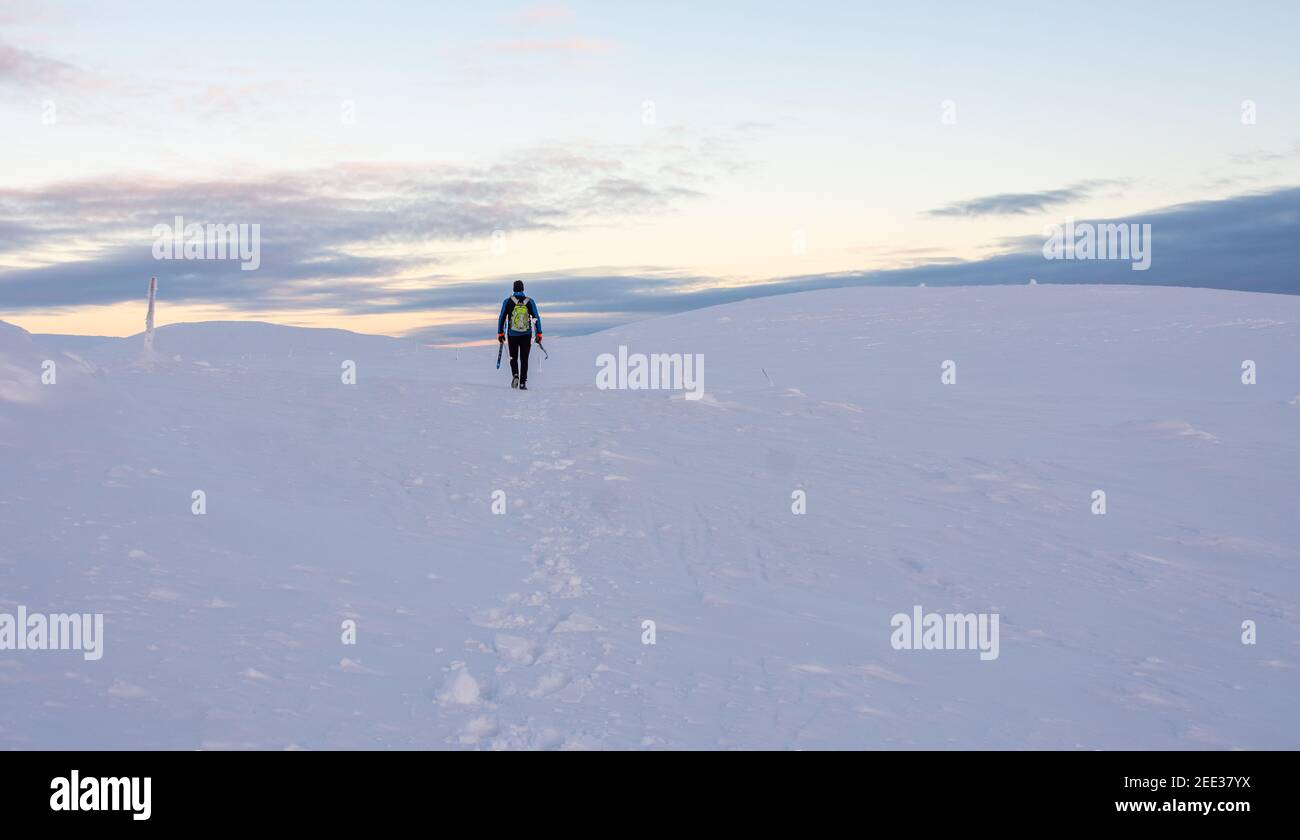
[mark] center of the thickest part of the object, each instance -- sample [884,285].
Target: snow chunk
[461,689]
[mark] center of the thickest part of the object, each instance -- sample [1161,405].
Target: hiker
[520,312]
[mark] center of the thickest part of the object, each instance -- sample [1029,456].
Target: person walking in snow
[518,314]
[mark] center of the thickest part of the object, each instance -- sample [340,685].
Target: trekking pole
[541,347]
[500,346]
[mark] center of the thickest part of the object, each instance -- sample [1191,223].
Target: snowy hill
[372,502]
[19,366]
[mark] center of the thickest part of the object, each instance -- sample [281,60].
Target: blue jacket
[508,304]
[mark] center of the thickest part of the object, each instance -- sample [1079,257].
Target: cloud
[355,239]
[1017,204]
[1243,243]
[552,45]
[1261,157]
[536,40]
[541,15]
[22,68]
[333,236]
[29,12]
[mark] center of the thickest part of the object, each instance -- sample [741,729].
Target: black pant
[520,345]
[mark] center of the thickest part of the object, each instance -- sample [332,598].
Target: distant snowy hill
[328,502]
[20,370]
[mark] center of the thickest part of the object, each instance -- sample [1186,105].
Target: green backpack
[520,321]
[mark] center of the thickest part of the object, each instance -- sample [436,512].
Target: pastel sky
[635,157]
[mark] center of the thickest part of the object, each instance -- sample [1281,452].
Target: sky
[405,161]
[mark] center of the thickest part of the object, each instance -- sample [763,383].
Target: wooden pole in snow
[148,319]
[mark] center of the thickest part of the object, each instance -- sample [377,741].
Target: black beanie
[519,285]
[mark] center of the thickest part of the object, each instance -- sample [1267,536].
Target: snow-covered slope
[373,502]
